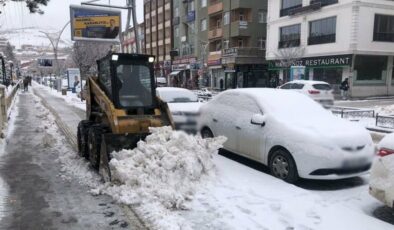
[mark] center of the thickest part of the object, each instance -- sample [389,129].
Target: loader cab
[128,80]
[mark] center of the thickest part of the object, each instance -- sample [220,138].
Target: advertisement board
[94,24]
[73,74]
[42,62]
[297,73]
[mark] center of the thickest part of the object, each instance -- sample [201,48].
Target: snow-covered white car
[319,91]
[289,132]
[382,173]
[184,106]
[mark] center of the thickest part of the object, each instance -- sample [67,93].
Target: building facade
[129,42]
[186,65]
[158,36]
[236,32]
[331,40]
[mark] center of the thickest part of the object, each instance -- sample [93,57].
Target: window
[191,6]
[240,42]
[288,5]
[290,36]
[203,24]
[177,31]
[226,18]
[105,76]
[218,23]
[226,44]
[262,16]
[261,43]
[370,67]
[322,31]
[176,12]
[134,91]
[203,3]
[241,15]
[384,28]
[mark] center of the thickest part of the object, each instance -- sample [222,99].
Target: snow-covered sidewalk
[239,197]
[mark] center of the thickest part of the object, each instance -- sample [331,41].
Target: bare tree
[85,55]
[290,56]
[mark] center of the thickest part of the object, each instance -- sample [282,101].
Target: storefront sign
[184,60]
[340,60]
[214,62]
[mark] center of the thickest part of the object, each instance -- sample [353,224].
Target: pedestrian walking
[25,84]
[344,89]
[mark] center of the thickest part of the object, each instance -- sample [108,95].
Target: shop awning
[174,73]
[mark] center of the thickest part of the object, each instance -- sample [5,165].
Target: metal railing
[6,99]
[381,121]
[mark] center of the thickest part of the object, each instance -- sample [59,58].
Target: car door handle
[214,120]
[237,127]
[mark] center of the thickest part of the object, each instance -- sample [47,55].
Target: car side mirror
[258,119]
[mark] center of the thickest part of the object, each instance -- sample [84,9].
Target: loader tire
[82,137]
[94,140]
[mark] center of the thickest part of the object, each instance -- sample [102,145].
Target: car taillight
[385,152]
[313,91]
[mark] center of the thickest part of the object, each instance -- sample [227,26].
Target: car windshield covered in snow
[178,96]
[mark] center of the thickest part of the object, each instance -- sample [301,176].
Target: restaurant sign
[322,61]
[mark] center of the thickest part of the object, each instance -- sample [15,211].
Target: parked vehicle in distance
[289,132]
[319,91]
[382,173]
[184,106]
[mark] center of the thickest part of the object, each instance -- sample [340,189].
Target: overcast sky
[15,15]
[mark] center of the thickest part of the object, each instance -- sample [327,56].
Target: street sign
[94,24]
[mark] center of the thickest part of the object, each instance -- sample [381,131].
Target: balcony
[324,2]
[286,11]
[243,52]
[215,55]
[289,43]
[383,37]
[215,8]
[215,33]
[322,39]
[240,28]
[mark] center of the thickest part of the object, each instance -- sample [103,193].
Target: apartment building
[236,50]
[158,36]
[331,40]
[129,43]
[186,65]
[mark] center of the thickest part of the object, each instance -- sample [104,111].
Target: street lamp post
[2,68]
[54,38]
[7,83]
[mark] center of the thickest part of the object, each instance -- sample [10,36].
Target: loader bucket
[115,142]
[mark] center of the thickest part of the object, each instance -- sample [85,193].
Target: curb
[72,139]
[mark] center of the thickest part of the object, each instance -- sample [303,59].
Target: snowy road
[37,192]
[240,197]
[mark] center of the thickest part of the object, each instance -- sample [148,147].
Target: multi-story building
[220,44]
[331,40]
[129,42]
[158,33]
[236,51]
[185,65]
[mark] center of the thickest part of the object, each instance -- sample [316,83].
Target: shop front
[184,73]
[331,69]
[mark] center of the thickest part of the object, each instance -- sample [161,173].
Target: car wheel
[82,137]
[206,133]
[282,166]
[94,140]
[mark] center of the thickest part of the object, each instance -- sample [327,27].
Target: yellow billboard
[92,23]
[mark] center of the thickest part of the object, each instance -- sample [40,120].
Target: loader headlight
[115,57]
[151,59]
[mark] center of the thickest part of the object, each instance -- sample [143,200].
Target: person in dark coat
[26,84]
[112,31]
[344,89]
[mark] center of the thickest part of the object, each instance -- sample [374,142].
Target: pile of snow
[162,173]
[385,110]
